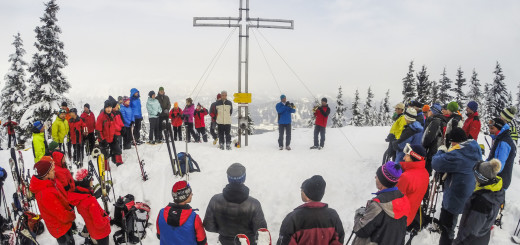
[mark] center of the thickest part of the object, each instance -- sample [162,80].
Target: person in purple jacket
[187,113]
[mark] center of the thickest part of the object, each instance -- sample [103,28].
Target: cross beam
[243,60]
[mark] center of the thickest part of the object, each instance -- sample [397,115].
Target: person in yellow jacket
[395,131]
[60,129]
[39,145]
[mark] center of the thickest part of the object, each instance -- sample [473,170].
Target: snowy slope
[273,176]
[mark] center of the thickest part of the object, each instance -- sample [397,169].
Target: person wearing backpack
[176,117]
[433,134]
[78,129]
[454,121]
[97,221]
[247,216]
[472,124]
[177,223]
[412,133]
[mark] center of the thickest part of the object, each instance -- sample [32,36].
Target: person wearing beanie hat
[508,115]
[453,107]
[410,115]
[457,136]
[60,128]
[188,113]
[433,134]
[312,222]
[107,125]
[395,131]
[200,125]
[247,217]
[413,183]
[176,117]
[52,201]
[426,108]
[39,144]
[322,115]
[154,111]
[458,163]
[390,203]
[418,106]
[412,134]
[472,124]
[135,104]
[166,105]
[223,111]
[78,130]
[213,116]
[436,108]
[445,111]
[284,109]
[90,121]
[503,149]
[127,115]
[483,206]
[454,121]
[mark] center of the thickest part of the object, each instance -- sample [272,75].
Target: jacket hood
[470,149]
[413,165]
[416,126]
[313,205]
[58,156]
[133,91]
[77,196]
[37,185]
[176,215]
[236,193]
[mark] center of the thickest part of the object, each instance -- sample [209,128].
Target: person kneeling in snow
[383,221]
[312,223]
[96,219]
[177,223]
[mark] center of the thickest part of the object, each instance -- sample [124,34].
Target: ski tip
[242,239]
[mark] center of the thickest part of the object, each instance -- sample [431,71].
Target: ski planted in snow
[144,175]
[242,239]
[167,138]
[100,175]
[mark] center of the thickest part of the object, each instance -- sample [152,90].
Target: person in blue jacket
[503,149]
[457,163]
[128,119]
[135,104]
[412,134]
[284,109]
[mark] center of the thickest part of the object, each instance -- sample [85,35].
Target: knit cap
[389,174]
[161,89]
[53,145]
[486,171]
[497,123]
[43,167]
[458,135]
[436,109]
[236,173]
[181,191]
[509,113]
[314,187]
[473,105]
[282,97]
[426,108]
[38,125]
[87,105]
[399,106]
[324,99]
[151,93]
[453,106]
[410,114]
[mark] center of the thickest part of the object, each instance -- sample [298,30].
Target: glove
[390,138]
[165,111]
[359,213]
[442,148]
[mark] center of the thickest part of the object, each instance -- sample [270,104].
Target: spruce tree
[423,86]
[444,89]
[489,100]
[47,84]
[475,93]
[500,95]
[13,93]
[357,119]
[338,119]
[386,118]
[250,124]
[434,92]
[460,82]
[517,104]
[368,109]
[409,86]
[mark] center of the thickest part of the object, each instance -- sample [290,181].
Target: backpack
[192,164]
[28,227]
[132,217]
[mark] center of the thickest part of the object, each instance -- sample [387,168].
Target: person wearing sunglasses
[503,148]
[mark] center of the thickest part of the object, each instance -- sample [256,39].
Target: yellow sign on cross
[242,98]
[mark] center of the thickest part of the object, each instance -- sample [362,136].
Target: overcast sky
[118,44]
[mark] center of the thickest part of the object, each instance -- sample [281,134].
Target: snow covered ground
[274,177]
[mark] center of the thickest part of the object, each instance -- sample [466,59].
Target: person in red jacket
[90,121]
[52,202]
[96,219]
[472,123]
[10,131]
[77,130]
[322,115]
[176,117]
[200,126]
[106,127]
[414,182]
[63,175]
[119,121]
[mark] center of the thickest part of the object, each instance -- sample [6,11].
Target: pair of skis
[264,238]
[101,176]
[168,136]
[21,181]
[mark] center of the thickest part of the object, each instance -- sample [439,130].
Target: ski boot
[288,148]
[215,141]
[221,146]
[281,148]
[315,147]
[228,147]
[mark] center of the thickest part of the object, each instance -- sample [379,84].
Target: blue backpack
[193,165]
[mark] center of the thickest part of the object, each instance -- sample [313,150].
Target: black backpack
[132,217]
[193,165]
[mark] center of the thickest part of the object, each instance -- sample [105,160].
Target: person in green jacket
[60,129]
[154,110]
[39,145]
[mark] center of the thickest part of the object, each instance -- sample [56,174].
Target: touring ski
[241,239]
[264,237]
[101,176]
[141,162]
[167,138]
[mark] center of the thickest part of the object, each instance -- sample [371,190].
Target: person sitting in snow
[106,127]
[39,144]
[200,126]
[10,131]
[313,222]
[177,223]
[247,216]
[412,134]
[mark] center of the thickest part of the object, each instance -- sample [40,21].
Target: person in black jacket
[313,222]
[213,115]
[433,134]
[233,211]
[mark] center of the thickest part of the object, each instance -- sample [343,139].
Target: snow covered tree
[368,109]
[409,86]
[423,86]
[357,119]
[338,119]
[386,110]
[47,84]
[499,93]
[13,93]
[312,119]
[460,82]
[488,109]
[445,88]
[518,101]
[434,92]
[250,125]
[475,93]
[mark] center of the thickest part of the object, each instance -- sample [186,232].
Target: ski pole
[350,237]
[516,230]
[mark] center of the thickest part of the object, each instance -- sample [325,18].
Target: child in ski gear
[472,124]
[176,117]
[433,136]
[482,208]
[412,134]
[322,115]
[247,216]
[128,119]
[200,125]
[52,202]
[63,175]
[177,223]
[457,162]
[78,130]
[312,223]
[508,116]
[39,144]
[224,109]
[383,221]
[90,122]
[284,110]
[154,110]
[135,104]
[213,115]
[503,149]
[188,113]
[454,121]
[106,126]
[96,219]
[11,135]
[166,105]
[60,128]
[413,183]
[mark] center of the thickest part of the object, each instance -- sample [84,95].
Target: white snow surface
[273,176]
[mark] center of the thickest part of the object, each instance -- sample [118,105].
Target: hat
[324,99]
[64,103]
[453,106]
[43,167]
[410,114]
[119,98]
[426,108]
[125,99]
[487,171]
[314,188]
[107,104]
[445,107]
[417,152]
[181,191]
[473,106]
[399,106]
[219,96]
[87,105]
[53,145]
[58,156]
[38,125]
[282,97]
[175,104]
[236,173]
[74,110]
[161,89]
[151,93]
[509,113]
[62,111]
[416,103]
[497,122]
[458,135]
[436,109]
[389,174]
[82,178]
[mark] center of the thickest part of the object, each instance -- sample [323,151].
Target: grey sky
[115,45]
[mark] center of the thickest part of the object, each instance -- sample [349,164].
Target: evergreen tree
[386,117]
[423,86]
[460,82]
[409,86]
[250,124]
[312,119]
[338,120]
[475,92]
[368,109]
[434,92]
[517,104]
[13,93]
[357,119]
[499,93]
[445,88]
[489,112]
[47,84]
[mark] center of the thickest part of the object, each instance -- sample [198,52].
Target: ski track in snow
[273,176]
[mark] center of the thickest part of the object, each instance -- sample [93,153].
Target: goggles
[408,151]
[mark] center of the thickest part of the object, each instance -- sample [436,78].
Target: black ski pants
[212,130]
[319,130]
[177,131]
[104,241]
[162,121]
[67,239]
[155,129]
[137,129]
[90,141]
[126,132]
[202,134]
[224,134]
[190,131]
[78,153]
[447,223]
[281,129]
[13,138]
